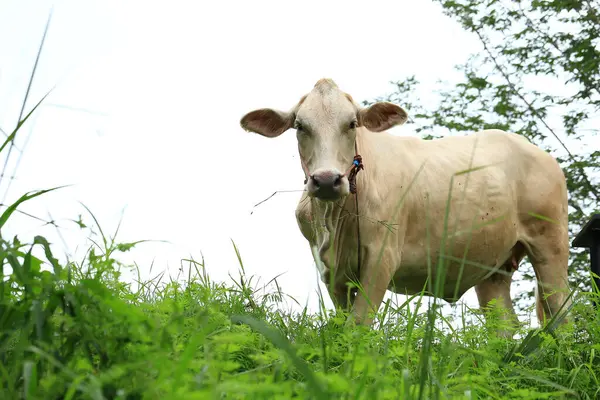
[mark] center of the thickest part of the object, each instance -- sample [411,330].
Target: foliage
[538,75]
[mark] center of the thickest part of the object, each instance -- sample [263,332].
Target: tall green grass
[75,330]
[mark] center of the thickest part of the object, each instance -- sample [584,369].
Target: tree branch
[534,111]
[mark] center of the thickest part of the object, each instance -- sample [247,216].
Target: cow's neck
[336,221]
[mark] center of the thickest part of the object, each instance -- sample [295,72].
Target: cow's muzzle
[327,185]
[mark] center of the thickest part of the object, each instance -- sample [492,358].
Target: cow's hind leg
[497,287]
[549,255]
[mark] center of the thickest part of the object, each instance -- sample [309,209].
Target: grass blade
[27,196]
[281,342]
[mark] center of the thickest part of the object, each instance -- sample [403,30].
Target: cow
[422,216]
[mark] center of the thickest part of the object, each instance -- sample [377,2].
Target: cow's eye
[353,124]
[298,125]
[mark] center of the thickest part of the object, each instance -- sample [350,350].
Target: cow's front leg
[343,296]
[376,274]
[340,293]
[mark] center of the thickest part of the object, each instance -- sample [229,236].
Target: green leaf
[53,261]
[30,379]
[124,247]
[27,196]
[281,342]
[12,136]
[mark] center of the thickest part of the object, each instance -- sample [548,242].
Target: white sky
[164,85]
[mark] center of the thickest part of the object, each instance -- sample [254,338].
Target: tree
[538,75]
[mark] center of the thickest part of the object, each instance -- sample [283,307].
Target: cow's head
[326,121]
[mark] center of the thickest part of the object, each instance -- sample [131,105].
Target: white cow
[508,199]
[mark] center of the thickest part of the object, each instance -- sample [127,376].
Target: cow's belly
[466,264]
[482,229]
[412,279]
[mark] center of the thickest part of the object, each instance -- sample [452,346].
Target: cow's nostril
[315,180]
[338,181]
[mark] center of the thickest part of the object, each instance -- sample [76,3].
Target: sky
[143,120]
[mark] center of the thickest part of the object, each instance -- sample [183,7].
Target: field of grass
[77,331]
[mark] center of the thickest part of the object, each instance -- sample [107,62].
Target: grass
[76,330]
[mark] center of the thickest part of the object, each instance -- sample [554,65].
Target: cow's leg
[549,254]
[375,279]
[338,293]
[497,287]
[342,296]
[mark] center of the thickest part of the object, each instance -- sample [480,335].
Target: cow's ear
[267,122]
[381,116]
